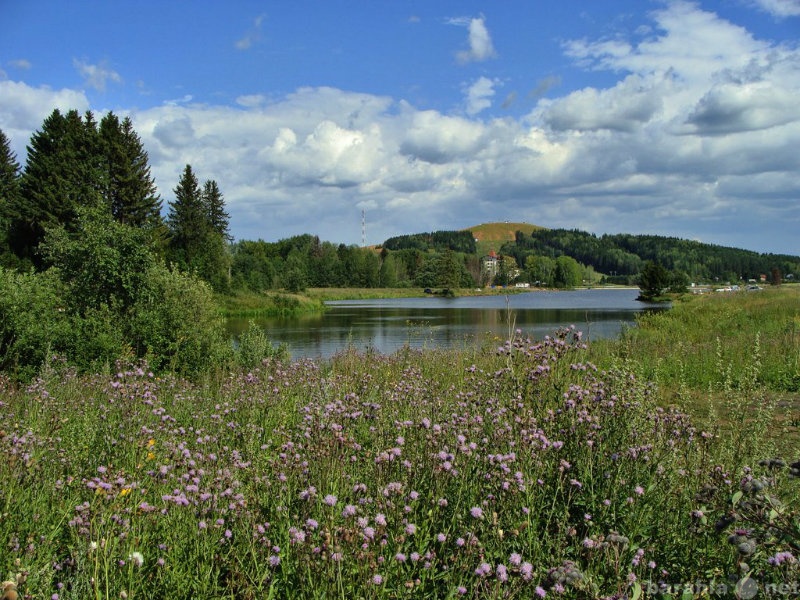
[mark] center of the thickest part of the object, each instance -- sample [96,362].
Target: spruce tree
[187,222]
[218,219]
[9,190]
[63,172]
[130,191]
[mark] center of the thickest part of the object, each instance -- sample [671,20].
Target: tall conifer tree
[218,218]
[187,221]
[130,190]
[9,188]
[63,172]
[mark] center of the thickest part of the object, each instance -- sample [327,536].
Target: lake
[390,324]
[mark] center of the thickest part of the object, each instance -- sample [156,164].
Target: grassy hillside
[491,236]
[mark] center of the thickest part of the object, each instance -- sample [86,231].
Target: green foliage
[107,297]
[568,273]
[103,263]
[254,347]
[63,172]
[177,325]
[129,189]
[214,204]
[626,254]
[653,280]
[9,193]
[33,321]
[198,226]
[457,241]
[541,270]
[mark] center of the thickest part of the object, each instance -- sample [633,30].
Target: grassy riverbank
[244,304]
[537,469]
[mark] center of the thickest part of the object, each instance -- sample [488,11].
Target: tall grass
[688,343]
[522,471]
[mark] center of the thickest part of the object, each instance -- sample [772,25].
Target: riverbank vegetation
[527,468]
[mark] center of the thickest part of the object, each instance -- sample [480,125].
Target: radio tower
[363,228]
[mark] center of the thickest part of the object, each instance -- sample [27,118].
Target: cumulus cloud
[23,109]
[626,106]
[479,40]
[96,76]
[174,133]
[731,108]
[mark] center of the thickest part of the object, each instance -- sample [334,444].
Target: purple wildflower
[526,570]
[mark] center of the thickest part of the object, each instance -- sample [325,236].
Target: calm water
[388,325]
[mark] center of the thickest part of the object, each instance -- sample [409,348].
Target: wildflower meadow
[520,470]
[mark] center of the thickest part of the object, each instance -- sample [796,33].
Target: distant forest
[624,255]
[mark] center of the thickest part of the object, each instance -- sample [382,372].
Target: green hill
[491,236]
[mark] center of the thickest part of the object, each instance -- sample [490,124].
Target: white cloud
[251,100]
[625,107]
[731,108]
[23,109]
[479,95]
[479,40]
[96,76]
[780,8]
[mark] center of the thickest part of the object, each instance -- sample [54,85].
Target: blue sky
[667,117]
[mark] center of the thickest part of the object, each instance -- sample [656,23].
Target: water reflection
[388,325]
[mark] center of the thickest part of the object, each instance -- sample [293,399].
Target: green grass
[268,304]
[478,473]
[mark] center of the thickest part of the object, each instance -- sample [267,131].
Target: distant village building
[490,264]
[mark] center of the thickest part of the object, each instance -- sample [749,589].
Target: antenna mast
[363,228]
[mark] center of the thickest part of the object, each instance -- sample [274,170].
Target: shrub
[33,322]
[176,324]
[255,346]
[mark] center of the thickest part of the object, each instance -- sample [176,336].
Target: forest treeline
[623,256]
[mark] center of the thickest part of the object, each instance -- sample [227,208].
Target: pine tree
[130,190]
[63,172]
